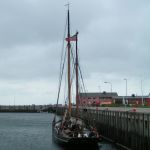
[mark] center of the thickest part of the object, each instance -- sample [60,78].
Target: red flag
[72,38]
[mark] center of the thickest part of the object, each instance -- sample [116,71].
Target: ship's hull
[58,138]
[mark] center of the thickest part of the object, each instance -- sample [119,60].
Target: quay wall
[128,129]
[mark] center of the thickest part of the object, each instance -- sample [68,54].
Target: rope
[61,68]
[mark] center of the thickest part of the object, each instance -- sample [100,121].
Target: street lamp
[126,90]
[126,85]
[110,85]
[14,100]
[142,92]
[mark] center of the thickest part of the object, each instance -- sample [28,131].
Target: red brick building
[104,98]
[97,99]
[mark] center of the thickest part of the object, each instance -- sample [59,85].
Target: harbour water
[31,131]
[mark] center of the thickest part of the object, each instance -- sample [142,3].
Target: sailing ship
[72,129]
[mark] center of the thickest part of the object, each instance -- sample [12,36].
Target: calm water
[30,131]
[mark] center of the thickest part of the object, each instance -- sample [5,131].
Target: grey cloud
[113,39]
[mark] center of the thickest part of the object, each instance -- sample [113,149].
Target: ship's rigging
[72,128]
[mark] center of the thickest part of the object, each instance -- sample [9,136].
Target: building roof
[103,94]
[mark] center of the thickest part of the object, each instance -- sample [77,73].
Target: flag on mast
[72,38]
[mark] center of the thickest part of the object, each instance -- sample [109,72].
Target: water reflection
[102,146]
[76,147]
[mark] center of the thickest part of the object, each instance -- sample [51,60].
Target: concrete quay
[128,109]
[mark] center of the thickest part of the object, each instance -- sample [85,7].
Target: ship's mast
[69,46]
[77,83]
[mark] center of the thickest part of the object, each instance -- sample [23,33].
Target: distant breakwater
[24,108]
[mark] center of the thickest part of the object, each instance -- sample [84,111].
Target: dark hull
[73,141]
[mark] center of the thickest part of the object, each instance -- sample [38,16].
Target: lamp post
[14,101]
[126,91]
[110,86]
[126,85]
[142,92]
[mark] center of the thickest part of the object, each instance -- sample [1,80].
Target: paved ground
[133,109]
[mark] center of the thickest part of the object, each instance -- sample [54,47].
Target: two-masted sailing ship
[72,129]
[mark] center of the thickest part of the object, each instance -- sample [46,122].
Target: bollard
[134,109]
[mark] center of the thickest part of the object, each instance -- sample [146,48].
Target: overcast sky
[113,44]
